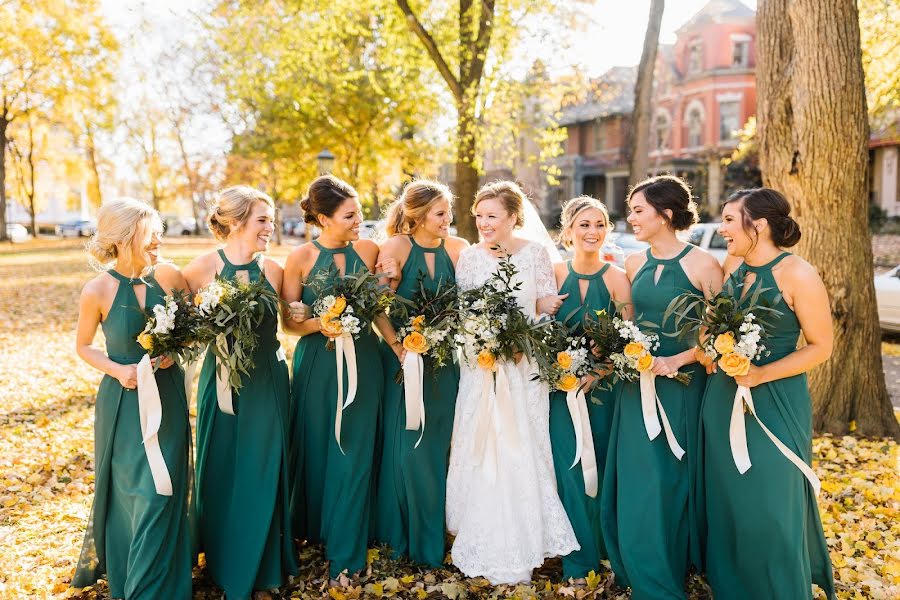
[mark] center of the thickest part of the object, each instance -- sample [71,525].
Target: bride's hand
[549,305]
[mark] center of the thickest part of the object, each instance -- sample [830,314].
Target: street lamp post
[325,163]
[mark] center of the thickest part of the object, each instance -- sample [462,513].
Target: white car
[16,232]
[706,236]
[369,229]
[887,293]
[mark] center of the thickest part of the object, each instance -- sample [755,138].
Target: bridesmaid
[762,533]
[647,498]
[137,539]
[242,481]
[409,514]
[331,495]
[588,284]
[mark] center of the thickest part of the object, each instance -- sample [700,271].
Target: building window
[740,53]
[695,57]
[661,126]
[694,127]
[599,136]
[729,119]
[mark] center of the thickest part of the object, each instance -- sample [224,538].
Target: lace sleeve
[545,280]
[465,275]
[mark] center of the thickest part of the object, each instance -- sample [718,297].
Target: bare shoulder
[561,269]
[302,252]
[396,246]
[98,287]
[799,272]
[272,266]
[634,262]
[702,260]
[457,243]
[731,264]
[202,264]
[169,276]
[616,274]
[367,251]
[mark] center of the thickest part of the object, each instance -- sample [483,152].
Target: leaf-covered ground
[46,462]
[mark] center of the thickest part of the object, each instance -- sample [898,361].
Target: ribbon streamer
[150,410]
[737,434]
[345,349]
[649,404]
[189,370]
[223,374]
[414,395]
[584,441]
[495,420]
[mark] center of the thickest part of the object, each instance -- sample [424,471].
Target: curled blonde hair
[571,210]
[413,204]
[510,195]
[122,225]
[232,208]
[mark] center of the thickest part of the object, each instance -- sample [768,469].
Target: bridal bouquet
[171,329]
[230,313]
[493,326]
[729,329]
[347,304]
[431,320]
[572,361]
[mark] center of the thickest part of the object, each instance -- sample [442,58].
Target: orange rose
[418,323]
[416,342]
[330,326]
[338,306]
[145,340]
[634,349]
[568,383]
[564,360]
[486,360]
[724,343]
[735,364]
[644,362]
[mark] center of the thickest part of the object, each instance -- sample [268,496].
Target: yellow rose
[724,343]
[568,383]
[486,360]
[564,360]
[600,313]
[644,362]
[330,326]
[416,342]
[338,306]
[418,323]
[198,300]
[735,364]
[145,340]
[634,349]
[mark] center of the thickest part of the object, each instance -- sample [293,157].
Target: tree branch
[431,47]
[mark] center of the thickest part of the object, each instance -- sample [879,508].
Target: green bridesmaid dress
[242,483]
[412,482]
[331,497]
[583,511]
[137,539]
[648,495]
[762,534]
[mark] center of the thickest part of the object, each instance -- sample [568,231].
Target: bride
[507,516]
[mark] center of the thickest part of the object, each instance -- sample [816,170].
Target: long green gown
[583,511]
[647,498]
[137,539]
[331,498]
[242,482]
[762,532]
[412,482]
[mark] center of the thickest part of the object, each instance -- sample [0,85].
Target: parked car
[887,293]
[16,232]
[77,228]
[370,229]
[300,230]
[706,236]
[179,225]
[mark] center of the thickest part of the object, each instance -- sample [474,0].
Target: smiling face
[740,240]
[644,219]
[146,243]
[588,230]
[343,225]
[437,220]
[494,223]
[257,230]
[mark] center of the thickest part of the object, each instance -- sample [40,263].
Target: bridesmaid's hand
[706,360]
[399,350]
[299,311]
[127,376]
[664,366]
[389,268]
[753,378]
[162,362]
[549,305]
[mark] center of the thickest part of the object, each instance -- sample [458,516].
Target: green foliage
[180,343]
[439,315]
[361,290]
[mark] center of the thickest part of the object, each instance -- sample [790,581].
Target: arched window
[695,57]
[662,124]
[693,121]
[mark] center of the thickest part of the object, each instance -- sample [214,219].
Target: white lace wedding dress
[507,516]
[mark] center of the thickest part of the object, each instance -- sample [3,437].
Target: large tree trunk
[813,134]
[95,194]
[466,172]
[3,125]
[639,138]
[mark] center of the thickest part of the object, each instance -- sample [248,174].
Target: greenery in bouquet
[431,320]
[347,304]
[568,358]
[231,313]
[172,329]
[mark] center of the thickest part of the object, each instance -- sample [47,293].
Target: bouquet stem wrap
[649,404]
[150,410]
[496,419]
[737,434]
[584,441]
[345,349]
[413,388]
[223,373]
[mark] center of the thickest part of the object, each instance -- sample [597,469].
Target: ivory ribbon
[189,370]
[150,410]
[345,349]
[413,390]
[584,441]
[737,434]
[649,404]
[495,419]
[223,373]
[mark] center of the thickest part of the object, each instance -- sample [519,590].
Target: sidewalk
[892,377]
